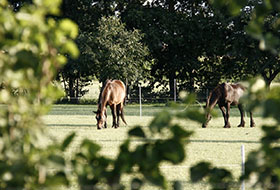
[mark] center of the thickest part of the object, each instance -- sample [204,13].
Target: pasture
[215,144]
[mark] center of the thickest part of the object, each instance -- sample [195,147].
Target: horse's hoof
[241,125]
[227,126]
[253,125]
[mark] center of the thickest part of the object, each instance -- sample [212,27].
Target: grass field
[215,144]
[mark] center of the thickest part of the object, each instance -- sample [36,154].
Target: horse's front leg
[208,118]
[118,114]
[252,123]
[242,122]
[114,114]
[105,123]
[223,109]
[227,124]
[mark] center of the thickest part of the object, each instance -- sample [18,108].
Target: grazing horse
[113,93]
[225,95]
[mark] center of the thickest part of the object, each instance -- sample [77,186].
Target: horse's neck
[102,105]
[104,101]
[103,97]
[101,108]
[212,101]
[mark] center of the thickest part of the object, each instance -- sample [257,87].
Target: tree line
[158,41]
[34,46]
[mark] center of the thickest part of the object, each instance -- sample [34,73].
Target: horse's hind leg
[227,124]
[118,115]
[114,114]
[242,122]
[122,112]
[223,109]
[252,123]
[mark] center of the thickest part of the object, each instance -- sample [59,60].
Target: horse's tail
[121,111]
[122,116]
[124,100]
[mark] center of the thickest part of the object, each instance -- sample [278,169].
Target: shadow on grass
[70,125]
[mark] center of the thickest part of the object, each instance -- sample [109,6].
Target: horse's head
[207,116]
[207,108]
[100,118]
[207,119]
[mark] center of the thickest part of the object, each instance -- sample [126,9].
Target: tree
[87,13]
[96,55]
[32,48]
[263,163]
[245,49]
[189,41]
[78,73]
[17,4]
[120,53]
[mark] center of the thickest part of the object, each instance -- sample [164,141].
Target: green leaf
[171,150]
[236,6]
[155,177]
[137,132]
[71,48]
[57,180]
[136,184]
[67,141]
[275,5]
[199,171]
[193,114]
[190,99]
[26,59]
[180,133]
[89,149]
[177,185]
[57,160]
[69,27]
[161,120]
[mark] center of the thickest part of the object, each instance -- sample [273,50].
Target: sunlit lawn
[215,144]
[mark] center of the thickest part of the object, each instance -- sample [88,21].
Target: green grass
[215,144]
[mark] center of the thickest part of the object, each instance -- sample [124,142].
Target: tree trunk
[171,86]
[171,5]
[72,90]
[77,91]
[64,83]
[192,81]
[270,76]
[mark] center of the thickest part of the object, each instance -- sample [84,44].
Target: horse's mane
[101,91]
[219,91]
[239,85]
[215,93]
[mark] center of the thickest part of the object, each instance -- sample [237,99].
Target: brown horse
[225,95]
[112,93]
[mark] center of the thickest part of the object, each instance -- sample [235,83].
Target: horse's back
[233,92]
[116,92]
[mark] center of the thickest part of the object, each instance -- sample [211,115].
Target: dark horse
[112,93]
[226,95]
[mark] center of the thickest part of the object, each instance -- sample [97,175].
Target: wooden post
[242,166]
[140,100]
[175,89]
